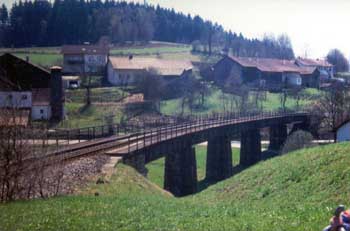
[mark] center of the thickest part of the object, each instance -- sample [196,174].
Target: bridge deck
[157,136]
[126,144]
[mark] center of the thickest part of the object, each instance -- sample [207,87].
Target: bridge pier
[137,162]
[250,147]
[278,135]
[180,176]
[219,159]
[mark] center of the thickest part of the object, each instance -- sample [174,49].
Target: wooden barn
[270,74]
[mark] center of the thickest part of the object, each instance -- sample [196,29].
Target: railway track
[125,144]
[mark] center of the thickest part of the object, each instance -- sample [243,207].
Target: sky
[314,26]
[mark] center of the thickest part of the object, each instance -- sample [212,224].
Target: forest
[41,23]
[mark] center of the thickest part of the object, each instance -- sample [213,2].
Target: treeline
[40,23]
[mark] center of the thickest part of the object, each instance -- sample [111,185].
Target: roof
[71,77]
[162,66]
[272,65]
[84,49]
[41,97]
[18,74]
[14,117]
[314,62]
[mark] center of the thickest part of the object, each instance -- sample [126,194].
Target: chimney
[56,94]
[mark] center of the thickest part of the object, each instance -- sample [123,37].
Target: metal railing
[129,143]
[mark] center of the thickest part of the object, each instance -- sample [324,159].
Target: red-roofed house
[272,74]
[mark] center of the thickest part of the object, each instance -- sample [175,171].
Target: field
[50,56]
[297,191]
[216,101]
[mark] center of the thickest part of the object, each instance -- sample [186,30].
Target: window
[24,97]
[41,111]
[9,97]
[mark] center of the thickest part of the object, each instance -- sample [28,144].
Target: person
[346,219]
[336,222]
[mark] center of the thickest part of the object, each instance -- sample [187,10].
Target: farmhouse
[131,70]
[325,68]
[272,74]
[27,87]
[84,59]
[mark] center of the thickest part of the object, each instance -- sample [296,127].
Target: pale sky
[314,26]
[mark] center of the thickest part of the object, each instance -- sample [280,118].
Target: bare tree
[152,86]
[24,173]
[332,108]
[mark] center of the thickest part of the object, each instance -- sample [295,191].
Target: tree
[3,14]
[332,108]
[152,86]
[298,140]
[337,58]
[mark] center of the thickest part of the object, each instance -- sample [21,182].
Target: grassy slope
[293,192]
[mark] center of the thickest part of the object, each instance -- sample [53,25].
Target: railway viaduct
[176,144]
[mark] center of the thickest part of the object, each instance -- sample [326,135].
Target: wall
[41,112]
[227,71]
[77,64]
[343,133]
[95,63]
[123,77]
[73,63]
[293,79]
[16,99]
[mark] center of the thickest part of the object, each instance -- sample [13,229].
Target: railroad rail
[126,144]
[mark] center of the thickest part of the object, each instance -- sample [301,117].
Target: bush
[298,140]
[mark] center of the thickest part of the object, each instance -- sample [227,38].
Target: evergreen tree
[3,14]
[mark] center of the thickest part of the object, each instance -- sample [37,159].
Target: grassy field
[78,115]
[216,101]
[297,191]
[102,94]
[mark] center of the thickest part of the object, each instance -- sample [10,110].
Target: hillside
[297,191]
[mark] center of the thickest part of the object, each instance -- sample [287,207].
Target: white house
[130,70]
[79,59]
[343,132]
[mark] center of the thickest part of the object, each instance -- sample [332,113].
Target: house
[84,59]
[323,66]
[324,70]
[25,86]
[131,70]
[343,131]
[257,72]
[271,74]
